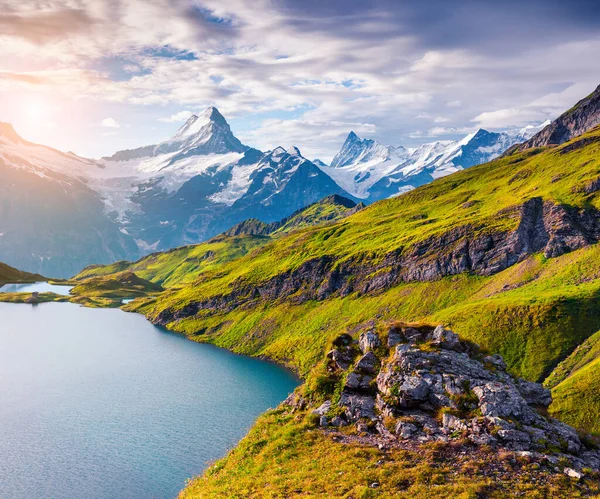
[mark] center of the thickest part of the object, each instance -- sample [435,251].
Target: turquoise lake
[100,404]
[41,287]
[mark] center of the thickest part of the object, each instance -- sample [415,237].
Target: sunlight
[35,112]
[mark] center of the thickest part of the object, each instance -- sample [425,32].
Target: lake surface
[40,287]
[98,403]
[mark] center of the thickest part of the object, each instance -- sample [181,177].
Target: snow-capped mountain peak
[196,123]
[357,150]
[370,170]
[294,151]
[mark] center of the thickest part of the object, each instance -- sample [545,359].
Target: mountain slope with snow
[184,190]
[371,171]
[190,187]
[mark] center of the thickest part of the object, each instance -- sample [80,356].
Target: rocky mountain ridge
[544,226]
[372,171]
[582,117]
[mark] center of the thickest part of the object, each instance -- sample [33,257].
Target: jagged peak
[278,151]
[294,151]
[352,137]
[195,123]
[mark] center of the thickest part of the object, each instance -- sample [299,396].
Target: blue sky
[98,76]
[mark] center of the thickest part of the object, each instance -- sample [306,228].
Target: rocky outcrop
[543,226]
[584,116]
[434,387]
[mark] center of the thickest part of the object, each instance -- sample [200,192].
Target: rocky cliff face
[544,226]
[584,116]
[420,384]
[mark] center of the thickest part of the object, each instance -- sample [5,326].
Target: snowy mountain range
[371,171]
[60,212]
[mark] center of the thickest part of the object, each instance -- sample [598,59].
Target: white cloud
[180,116]
[363,69]
[110,123]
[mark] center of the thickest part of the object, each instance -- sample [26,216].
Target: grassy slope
[181,266]
[534,313]
[284,456]
[575,387]
[11,275]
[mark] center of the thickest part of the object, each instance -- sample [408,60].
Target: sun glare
[35,111]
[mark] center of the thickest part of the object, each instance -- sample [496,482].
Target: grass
[10,275]
[575,387]
[285,456]
[535,313]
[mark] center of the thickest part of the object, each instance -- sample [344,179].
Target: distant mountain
[328,209]
[371,171]
[194,185]
[582,117]
[51,221]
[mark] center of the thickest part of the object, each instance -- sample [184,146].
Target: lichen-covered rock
[358,406]
[395,337]
[369,341]
[534,393]
[452,423]
[436,388]
[341,358]
[368,363]
[323,408]
[405,429]
[358,381]
[444,338]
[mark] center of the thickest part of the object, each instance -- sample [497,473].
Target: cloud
[305,72]
[180,116]
[42,26]
[110,123]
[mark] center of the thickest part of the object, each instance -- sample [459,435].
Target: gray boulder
[369,341]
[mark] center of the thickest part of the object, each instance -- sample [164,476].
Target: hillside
[496,237]
[503,253]
[11,275]
[575,386]
[184,265]
[581,117]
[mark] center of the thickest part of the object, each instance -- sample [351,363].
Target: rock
[444,338]
[405,430]
[323,408]
[413,335]
[452,423]
[323,421]
[358,406]
[501,400]
[357,381]
[570,472]
[368,341]
[295,401]
[337,421]
[534,393]
[514,436]
[412,391]
[483,439]
[383,431]
[495,360]
[395,337]
[341,358]
[368,364]
[417,381]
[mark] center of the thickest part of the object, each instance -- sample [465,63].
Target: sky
[97,76]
